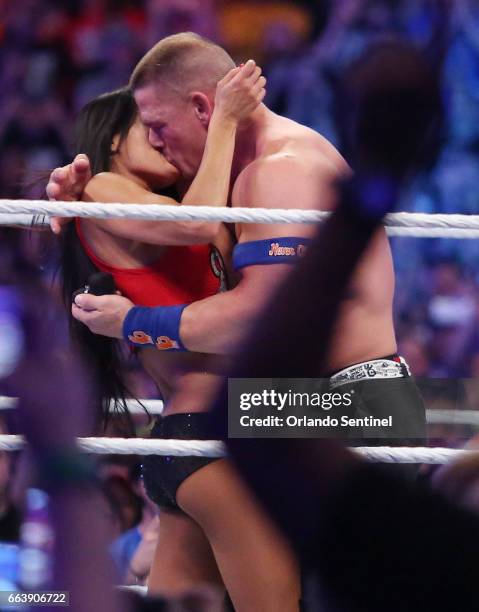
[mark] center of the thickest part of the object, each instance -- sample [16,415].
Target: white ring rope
[24,220]
[214,448]
[441,416]
[412,221]
[432,232]
[42,222]
[133,446]
[160,212]
[134,588]
[406,454]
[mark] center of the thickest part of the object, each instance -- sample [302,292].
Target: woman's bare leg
[183,558]
[257,565]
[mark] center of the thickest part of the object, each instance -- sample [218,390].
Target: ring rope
[406,454]
[432,232]
[214,448]
[442,416]
[159,212]
[214,213]
[42,221]
[37,221]
[134,588]
[133,446]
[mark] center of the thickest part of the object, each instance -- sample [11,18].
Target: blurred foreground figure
[52,413]
[372,542]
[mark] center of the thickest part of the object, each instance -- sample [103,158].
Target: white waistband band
[369,370]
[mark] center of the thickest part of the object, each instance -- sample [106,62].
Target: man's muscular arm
[218,323]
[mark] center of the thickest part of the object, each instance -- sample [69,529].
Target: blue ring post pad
[271,251]
[158,326]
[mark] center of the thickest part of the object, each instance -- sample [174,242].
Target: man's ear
[202,107]
[115,144]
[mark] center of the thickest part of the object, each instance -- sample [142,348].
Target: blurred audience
[133,550]
[125,504]
[10,516]
[165,17]
[263,29]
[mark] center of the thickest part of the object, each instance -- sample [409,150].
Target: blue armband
[158,326]
[272,251]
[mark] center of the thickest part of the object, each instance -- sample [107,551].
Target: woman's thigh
[257,565]
[183,558]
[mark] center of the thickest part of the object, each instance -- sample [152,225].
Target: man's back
[295,167]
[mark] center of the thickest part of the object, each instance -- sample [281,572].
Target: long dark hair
[98,123]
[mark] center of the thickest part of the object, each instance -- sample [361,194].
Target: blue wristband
[159,326]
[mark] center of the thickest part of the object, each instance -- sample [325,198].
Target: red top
[183,274]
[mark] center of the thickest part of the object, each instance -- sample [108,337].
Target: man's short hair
[183,62]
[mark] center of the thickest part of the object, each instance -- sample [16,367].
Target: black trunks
[378,391]
[163,474]
[398,398]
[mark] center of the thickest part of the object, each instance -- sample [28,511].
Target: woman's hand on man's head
[240,92]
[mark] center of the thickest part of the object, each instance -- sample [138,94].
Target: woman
[125,247]
[127,169]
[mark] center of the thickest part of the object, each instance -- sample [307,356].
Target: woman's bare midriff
[187,381]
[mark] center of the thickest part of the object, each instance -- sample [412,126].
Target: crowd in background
[58,54]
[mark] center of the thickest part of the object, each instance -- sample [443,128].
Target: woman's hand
[102,314]
[67,184]
[240,92]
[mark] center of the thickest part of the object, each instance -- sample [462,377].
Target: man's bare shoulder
[291,147]
[288,136]
[289,170]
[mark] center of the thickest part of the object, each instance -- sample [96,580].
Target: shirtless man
[278,164]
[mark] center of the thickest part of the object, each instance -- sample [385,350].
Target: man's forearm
[214,325]
[219,323]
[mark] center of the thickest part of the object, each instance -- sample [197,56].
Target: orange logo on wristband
[139,337]
[163,343]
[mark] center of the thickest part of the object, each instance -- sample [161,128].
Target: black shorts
[163,474]
[396,397]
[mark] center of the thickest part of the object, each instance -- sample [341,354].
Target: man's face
[173,127]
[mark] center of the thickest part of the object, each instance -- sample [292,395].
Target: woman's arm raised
[237,96]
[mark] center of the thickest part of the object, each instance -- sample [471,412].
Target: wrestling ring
[28,214]
[35,213]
